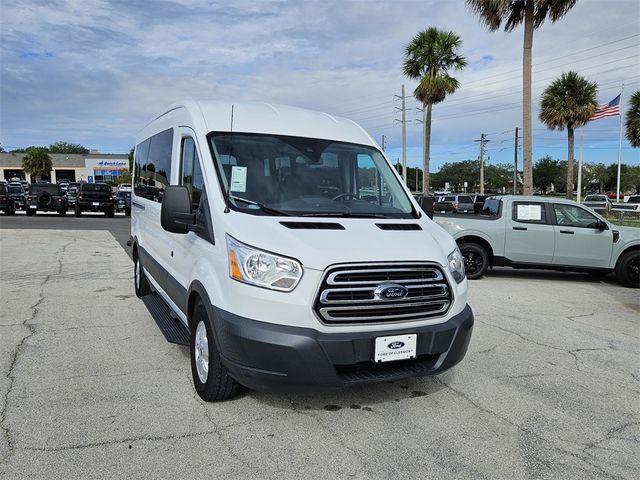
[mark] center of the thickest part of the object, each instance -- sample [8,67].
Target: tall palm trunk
[569,193]
[427,148]
[527,164]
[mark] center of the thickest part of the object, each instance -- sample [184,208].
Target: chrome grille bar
[346,295]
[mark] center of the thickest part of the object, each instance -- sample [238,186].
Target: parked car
[612,196]
[45,197]
[550,233]
[459,204]
[631,205]
[123,202]
[597,202]
[72,191]
[6,202]
[17,193]
[278,281]
[94,197]
[124,187]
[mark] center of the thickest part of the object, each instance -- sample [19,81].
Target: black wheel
[109,213]
[476,260]
[30,212]
[210,377]
[127,212]
[77,211]
[628,269]
[62,212]
[140,282]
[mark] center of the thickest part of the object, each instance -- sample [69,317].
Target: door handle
[519,228]
[570,232]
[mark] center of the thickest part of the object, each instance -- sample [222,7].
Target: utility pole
[515,166]
[384,140]
[404,133]
[483,140]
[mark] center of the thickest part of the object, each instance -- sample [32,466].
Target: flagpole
[580,164]
[619,147]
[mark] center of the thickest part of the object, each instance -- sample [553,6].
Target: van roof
[255,117]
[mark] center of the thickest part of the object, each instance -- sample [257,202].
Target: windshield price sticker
[397,347]
[530,212]
[238,179]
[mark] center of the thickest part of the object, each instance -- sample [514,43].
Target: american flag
[610,109]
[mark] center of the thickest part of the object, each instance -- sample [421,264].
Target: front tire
[210,377]
[140,282]
[628,269]
[476,260]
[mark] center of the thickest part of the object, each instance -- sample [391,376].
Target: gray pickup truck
[550,233]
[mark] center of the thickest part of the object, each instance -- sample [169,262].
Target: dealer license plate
[32,206]
[96,204]
[396,347]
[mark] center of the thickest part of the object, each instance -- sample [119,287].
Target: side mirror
[601,225]
[175,213]
[426,204]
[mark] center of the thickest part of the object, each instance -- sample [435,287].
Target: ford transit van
[288,249]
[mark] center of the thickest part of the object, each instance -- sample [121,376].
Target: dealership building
[92,167]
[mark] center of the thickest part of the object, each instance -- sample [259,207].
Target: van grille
[347,294]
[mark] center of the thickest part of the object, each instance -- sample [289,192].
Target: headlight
[256,267]
[456,265]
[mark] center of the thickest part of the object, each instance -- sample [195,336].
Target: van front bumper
[265,356]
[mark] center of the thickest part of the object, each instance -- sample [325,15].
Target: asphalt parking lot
[89,388]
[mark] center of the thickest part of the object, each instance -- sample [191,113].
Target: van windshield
[267,174]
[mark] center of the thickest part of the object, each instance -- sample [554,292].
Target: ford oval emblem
[390,291]
[395,345]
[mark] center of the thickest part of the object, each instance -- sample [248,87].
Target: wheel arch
[480,241]
[630,248]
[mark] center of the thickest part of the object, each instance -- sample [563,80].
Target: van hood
[360,240]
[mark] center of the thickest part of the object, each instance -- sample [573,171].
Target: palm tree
[568,103]
[532,13]
[37,162]
[633,120]
[428,58]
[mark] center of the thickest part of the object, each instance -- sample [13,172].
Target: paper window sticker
[529,212]
[238,179]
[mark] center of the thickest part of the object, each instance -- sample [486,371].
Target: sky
[95,71]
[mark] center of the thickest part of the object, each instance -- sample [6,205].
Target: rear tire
[109,213]
[76,211]
[210,377]
[476,260]
[62,212]
[140,283]
[628,269]
[30,212]
[127,212]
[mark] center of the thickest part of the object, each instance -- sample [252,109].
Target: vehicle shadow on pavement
[534,274]
[362,397]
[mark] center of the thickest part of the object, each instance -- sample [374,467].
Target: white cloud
[94,71]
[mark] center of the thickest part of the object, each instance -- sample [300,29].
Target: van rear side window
[153,165]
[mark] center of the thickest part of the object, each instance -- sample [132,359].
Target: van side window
[191,176]
[139,176]
[158,169]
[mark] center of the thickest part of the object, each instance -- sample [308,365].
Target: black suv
[17,193]
[6,202]
[95,197]
[45,197]
[123,202]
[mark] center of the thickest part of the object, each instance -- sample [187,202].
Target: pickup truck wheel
[109,213]
[210,377]
[62,212]
[476,260]
[76,211]
[127,212]
[141,285]
[628,269]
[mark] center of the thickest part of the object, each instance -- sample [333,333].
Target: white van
[291,251]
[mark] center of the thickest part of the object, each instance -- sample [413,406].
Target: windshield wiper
[263,207]
[344,215]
